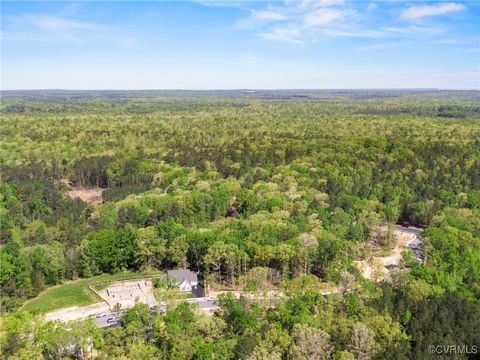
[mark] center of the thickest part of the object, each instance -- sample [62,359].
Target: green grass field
[75,293]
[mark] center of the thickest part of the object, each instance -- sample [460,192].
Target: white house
[187,280]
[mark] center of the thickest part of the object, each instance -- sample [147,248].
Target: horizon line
[249,89]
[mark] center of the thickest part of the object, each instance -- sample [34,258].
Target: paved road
[205,303]
[108,319]
[112,319]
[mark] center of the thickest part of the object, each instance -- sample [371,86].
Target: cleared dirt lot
[376,268]
[89,195]
[127,293]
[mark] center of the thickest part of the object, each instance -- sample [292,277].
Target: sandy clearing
[77,312]
[376,267]
[128,293]
[89,195]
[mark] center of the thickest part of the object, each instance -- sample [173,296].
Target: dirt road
[77,312]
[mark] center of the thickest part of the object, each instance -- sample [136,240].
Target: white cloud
[55,23]
[419,11]
[268,15]
[288,33]
[415,30]
[301,26]
[356,33]
[23,37]
[325,16]
[294,21]
[370,47]
[319,3]
[306,21]
[39,27]
[52,29]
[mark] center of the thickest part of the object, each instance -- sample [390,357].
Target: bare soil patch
[128,293]
[377,266]
[77,312]
[89,195]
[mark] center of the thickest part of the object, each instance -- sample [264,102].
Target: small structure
[187,280]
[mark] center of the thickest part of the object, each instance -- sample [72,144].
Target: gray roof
[182,274]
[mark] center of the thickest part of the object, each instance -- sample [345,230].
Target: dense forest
[253,191]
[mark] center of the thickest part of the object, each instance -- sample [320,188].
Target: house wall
[185,287]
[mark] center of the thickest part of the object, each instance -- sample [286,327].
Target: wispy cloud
[33,28]
[39,27]
[307,21]
[466,40]
[420,11]
[296,21]
[357,33]
[288,33]
[415,30]
[370,47]
[55,23]
[320,3]
[268,15]
[326,16]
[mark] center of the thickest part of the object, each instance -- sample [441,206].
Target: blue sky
[214,44]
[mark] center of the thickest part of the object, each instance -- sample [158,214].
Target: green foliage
[452,252]
[112,250]
[254,194]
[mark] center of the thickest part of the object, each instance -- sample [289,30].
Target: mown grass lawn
[74,293]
